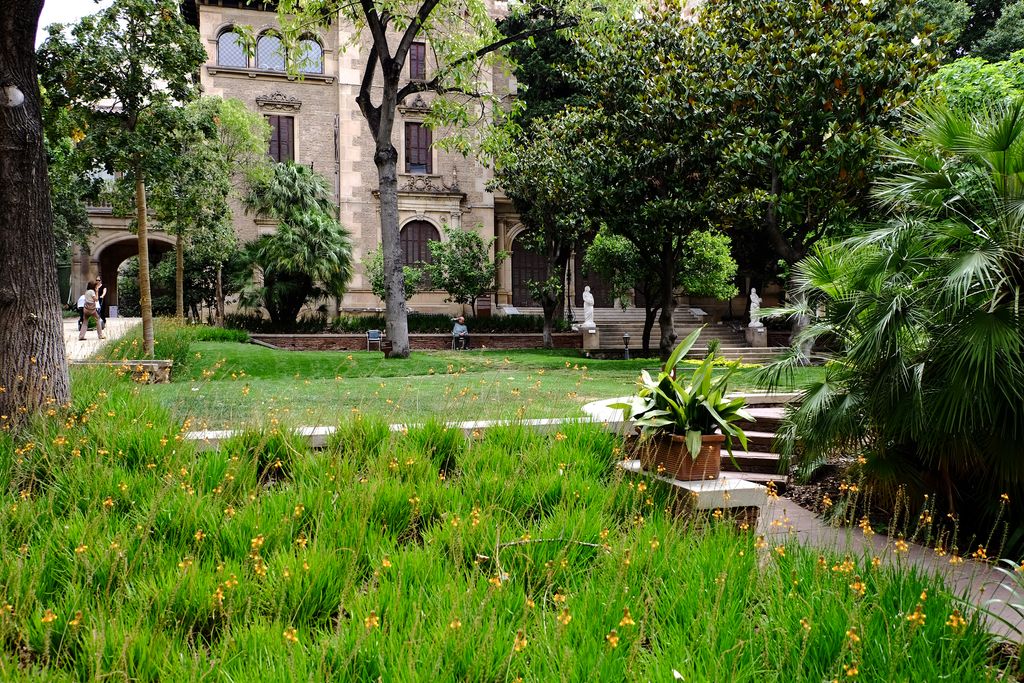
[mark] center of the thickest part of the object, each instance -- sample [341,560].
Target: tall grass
[127,554]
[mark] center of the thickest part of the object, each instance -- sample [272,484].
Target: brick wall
[357,342]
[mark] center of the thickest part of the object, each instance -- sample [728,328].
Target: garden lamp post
[625,344]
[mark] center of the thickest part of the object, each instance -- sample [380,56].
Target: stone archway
[106,252]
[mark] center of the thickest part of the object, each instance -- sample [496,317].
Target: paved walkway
[976,582]
[80,350]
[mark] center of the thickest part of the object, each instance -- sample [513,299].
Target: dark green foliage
[1006,37]
[928,383]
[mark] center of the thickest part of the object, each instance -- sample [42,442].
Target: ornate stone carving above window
[278,101]
[417,106]
[428,183]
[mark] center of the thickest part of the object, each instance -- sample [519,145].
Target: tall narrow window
[282,138]
[270,53]
[417,149]
[230,51]
[311,57]
[418,62]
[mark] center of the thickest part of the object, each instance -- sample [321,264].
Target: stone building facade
[316,121]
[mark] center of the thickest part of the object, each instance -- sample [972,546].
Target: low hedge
[419,323]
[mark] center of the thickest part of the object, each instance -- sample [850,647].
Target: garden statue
[755,309]
[588,309]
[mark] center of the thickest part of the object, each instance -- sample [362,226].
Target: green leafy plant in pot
[683,422]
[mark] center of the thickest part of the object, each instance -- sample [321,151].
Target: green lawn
[228,383]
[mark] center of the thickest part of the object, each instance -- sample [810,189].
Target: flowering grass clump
[127,553]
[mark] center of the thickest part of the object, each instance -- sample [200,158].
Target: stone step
[766,419]
[760,462]
[760,440]
[778,480]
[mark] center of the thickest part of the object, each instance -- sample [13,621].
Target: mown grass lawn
[227,384]
[125,554]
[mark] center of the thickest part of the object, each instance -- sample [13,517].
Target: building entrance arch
[105,255]
[527,265]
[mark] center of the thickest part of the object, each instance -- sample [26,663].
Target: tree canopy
[120,73]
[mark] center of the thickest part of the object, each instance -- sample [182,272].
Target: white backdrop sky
[66,12]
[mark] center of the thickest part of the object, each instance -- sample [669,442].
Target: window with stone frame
[418,62]
[311,57]
[231,50]
[270,53]
[418,152]
[282,138]
[415,239]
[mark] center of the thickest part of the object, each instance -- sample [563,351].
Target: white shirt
[81,301]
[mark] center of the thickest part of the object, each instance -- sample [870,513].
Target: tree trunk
[396,312]
[179,278]
[549,304]
[218,314]
[145,296]
[650,313]
[33,365]
[668,303]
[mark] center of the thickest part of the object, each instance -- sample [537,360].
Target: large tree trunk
[179,278]
[396,312]
[219,313]
[668,303]
[33,365]
[145,296]
[650,314]
[549,304]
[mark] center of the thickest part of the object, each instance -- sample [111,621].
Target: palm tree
[308,257]
[925,314]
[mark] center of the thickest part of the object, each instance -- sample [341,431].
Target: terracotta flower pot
[666,454]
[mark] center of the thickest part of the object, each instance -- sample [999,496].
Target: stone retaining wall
[357,342]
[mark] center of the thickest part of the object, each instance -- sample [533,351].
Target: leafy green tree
[944,18]
[374,265]
[462,265]
[1005,37]
[928,385]
[971,84]
[647,166]
[804,91]
[542,176]
[33,365]
[309,255]
[215,140]
[464,39]
[121,70]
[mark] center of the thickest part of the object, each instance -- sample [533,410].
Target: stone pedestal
[591,338]
[727,497]
[757,337]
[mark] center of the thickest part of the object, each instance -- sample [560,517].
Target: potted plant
[683,422]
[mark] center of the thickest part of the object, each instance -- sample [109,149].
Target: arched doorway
[107,254]
[527,265]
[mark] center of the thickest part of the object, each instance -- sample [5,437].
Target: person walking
[90,311]
[101,299]
[81,311]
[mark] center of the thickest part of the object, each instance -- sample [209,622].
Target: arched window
[311,57]
[270,53]
[414,238]
[230,51]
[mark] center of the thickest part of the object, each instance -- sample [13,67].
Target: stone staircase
[612,323]
[760,464]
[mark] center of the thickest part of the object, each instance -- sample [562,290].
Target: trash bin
[386,346]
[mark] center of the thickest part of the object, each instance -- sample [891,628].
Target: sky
[66,12]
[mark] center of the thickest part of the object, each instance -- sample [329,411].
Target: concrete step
[765,419]
[778,480]
[760,462]
[760,440]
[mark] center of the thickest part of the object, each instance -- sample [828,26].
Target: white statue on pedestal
[755,309]
[588,309]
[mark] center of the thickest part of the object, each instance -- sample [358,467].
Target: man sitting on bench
[460,335]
